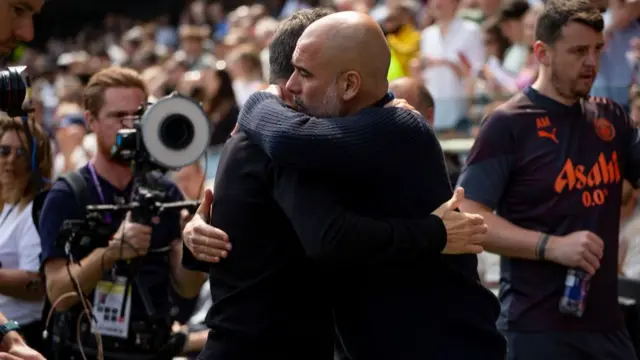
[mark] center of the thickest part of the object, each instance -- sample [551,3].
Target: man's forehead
[307,49]
[123,98]
[576,33]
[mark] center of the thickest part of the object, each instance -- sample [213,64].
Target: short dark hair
[558,13]
[513,10]
[285,38]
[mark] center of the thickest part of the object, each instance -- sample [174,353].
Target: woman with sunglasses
[21,288]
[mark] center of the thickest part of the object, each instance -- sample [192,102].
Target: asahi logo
[591,179]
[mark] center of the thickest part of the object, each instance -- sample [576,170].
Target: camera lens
[177,132]
[13,90]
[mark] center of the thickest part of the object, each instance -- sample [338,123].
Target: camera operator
[112,98]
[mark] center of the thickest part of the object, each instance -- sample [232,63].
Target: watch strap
[7,328]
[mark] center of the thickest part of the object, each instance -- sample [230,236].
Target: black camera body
[168,134]
[15,88]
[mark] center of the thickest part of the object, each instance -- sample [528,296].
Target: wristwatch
[8,327]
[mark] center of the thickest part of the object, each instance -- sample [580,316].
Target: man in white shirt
[451,50]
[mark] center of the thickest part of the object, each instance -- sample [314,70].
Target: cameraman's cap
[513,10]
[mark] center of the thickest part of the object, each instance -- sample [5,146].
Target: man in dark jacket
[271,300]
[413,305]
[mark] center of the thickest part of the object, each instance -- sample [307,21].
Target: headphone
[35,177]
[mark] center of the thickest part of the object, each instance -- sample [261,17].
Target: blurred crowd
[470,55]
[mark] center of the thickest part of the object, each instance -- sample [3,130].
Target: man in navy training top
[412,305]
[112,97]
[270,294]
[551,162]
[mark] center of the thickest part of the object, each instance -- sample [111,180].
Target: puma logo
[549,135]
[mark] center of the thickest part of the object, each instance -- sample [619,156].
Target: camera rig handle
[158,207]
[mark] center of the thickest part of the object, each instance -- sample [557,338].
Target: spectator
[402,35]
[246,72]
[451,51]
[22,291]
[512,23]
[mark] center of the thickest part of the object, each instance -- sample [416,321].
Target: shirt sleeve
[29,247]
[58,206]
[351,145]
[332,234]
[490,161]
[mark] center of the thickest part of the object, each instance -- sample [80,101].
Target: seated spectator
[21,291]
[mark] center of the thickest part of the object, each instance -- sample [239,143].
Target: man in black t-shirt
[551,162]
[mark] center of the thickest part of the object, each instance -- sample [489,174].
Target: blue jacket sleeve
[353,144]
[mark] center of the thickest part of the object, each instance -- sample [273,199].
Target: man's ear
[91,120]
[350,85]
[542,53]
[429,116]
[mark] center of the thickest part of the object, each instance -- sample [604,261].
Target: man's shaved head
[341,63]
[416,94]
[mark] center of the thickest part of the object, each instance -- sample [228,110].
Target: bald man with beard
[380,162]
[416,94]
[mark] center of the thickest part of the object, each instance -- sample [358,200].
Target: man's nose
[127,122]
[592,58]
[13,157]
[293,85]
[24,29]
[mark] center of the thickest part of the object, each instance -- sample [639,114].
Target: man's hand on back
[402,104]
[465,232]
[205,242]
[275,90]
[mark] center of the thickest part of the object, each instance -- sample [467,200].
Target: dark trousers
[613,345]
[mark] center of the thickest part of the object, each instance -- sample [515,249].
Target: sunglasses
[5,151]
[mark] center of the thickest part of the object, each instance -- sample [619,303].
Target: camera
[15,88]
[168,134]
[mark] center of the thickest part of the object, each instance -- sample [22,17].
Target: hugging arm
[351,144]
[330,233]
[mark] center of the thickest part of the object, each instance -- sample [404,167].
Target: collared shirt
[447,89]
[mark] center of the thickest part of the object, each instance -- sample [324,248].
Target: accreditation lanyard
[94,177]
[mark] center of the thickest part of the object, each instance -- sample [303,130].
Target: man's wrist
[10,339]
[110,256]
[549,253]
[541,246]
[435,226]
